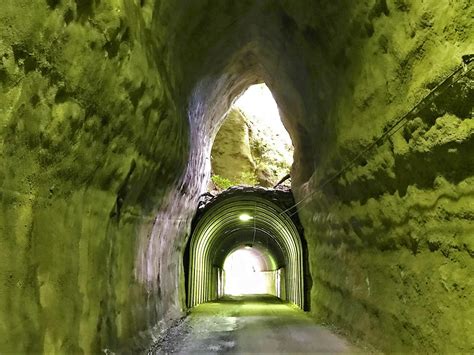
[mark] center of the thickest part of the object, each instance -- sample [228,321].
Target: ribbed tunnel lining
[220,221]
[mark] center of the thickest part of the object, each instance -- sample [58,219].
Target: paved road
[250,324]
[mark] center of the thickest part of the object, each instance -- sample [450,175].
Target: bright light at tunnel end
[244,273]
[245,217]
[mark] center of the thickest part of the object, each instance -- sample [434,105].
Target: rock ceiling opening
[252,147]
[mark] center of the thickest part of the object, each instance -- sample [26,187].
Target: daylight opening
[252,147]
[247,271]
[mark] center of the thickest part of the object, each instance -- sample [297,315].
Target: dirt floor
[260,324]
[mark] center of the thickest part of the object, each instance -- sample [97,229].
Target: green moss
[246,178]
[221,183]
[72,122]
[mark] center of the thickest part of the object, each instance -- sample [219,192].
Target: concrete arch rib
[220,220]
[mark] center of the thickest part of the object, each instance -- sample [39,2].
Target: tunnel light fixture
[245,217]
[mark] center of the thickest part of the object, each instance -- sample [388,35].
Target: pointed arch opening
[252,146]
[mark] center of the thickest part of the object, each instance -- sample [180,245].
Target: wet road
[250,324]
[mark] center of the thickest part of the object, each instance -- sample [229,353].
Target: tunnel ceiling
[219,230]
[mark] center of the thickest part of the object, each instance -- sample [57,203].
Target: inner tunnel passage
[252,219]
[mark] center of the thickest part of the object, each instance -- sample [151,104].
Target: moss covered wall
[108,111]
[85,112]
[391,240]
[231,154]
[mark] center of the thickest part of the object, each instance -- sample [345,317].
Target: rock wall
[246,152]
[231,155]
[391,238]
[85,110]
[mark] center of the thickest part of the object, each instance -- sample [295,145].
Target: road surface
[260,324]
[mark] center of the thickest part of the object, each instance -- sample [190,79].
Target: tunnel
[250,218]
[108,114]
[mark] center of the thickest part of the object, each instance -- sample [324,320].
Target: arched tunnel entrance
[254,219]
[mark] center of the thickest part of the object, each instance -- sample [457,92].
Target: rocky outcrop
[231,156]
[247,152]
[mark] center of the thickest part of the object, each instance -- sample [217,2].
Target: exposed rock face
[400,227]
[85,110]
[107,111]
[246,152]
[231,156]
